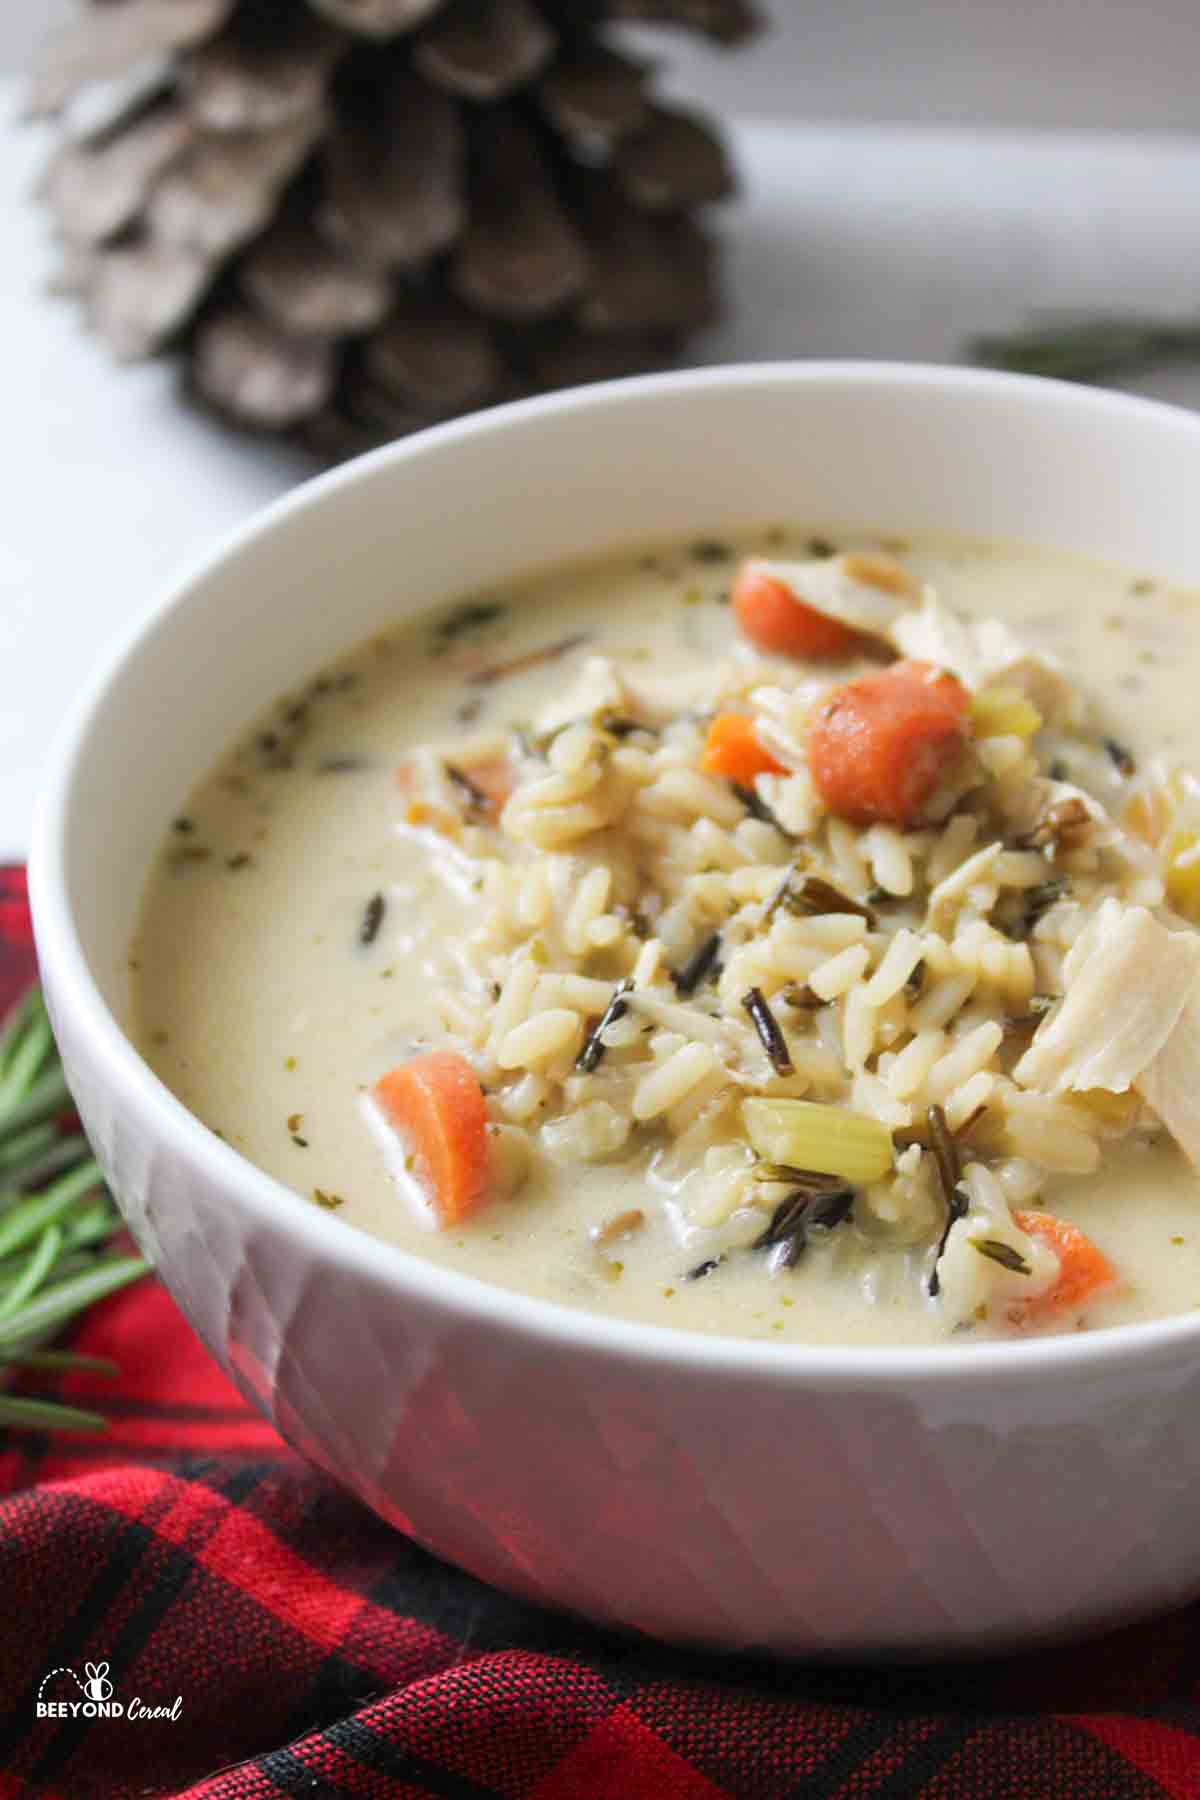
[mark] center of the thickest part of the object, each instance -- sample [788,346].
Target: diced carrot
[436,1105]
[433,818]
[879,746]
[732,749]
[1082,1268]
[776,619]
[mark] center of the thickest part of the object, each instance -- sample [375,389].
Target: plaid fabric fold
[199,1614]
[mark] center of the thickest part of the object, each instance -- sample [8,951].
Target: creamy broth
[259,1004]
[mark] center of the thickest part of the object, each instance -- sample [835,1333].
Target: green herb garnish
[1001,1253]
[709,550]
[472,615]
[57,1222]
[1088,349]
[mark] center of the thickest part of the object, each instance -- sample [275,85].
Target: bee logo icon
[98,1685]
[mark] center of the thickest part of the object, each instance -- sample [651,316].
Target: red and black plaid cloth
[315,1652]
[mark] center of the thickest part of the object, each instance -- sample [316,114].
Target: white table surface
[850,241]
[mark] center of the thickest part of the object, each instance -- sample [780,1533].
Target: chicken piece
[597,688]
[866,592]
[1042,682]
[1171,1083]
[984,653]
[934,634]
[1127,981]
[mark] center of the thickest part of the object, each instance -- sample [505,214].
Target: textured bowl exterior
[801,1501]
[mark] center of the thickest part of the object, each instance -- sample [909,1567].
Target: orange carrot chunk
[732,749]
[436,1105]
[1082,1268]
[879,746]
[777,620]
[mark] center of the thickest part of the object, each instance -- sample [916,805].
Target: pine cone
[355,217]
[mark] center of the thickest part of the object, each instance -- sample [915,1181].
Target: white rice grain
[968,1099]
[537,1040]
[512,1005]
[910,1070]
[829,931]
[969,1055]
[672,1015]
[524,1098]
[889,858]
[573,748]
[533,896]
[749,884]
[951,847]
[1021,869]
[849,863]
[709,847]
[858,1028]
[900,958]
[459,1016]
[605,931]
[758,842]
[590,900]
[872,1096]
[582,992]
[839,974]
[675,1078]
[552,827]
[940,1000]
[686,794]
[649,961]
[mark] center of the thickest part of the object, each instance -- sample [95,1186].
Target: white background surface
[851,240]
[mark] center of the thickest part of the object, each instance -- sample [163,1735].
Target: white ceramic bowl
[700,1489]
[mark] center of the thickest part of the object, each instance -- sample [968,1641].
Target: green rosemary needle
[1087,349]
[57,1223]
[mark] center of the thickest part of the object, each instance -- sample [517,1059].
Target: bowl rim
[134,1085]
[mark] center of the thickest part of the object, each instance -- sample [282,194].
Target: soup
[777,938]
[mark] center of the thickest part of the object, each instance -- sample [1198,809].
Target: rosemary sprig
[57,1221]
[1087,349]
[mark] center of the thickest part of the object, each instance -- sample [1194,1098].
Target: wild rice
[761,947]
